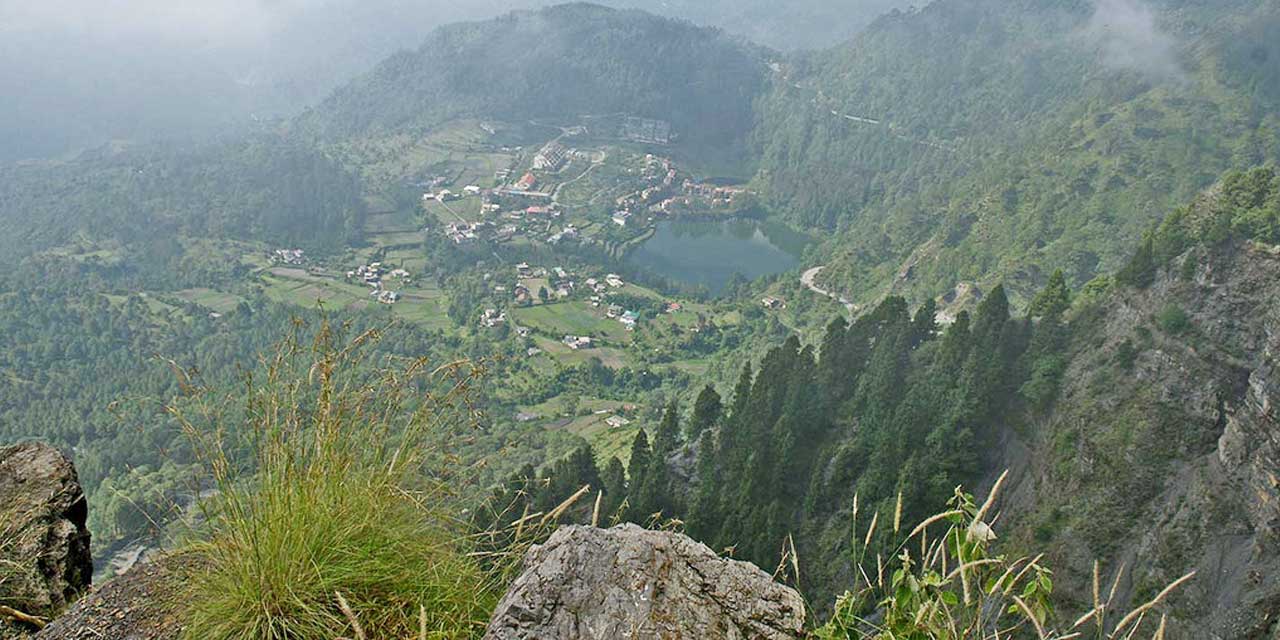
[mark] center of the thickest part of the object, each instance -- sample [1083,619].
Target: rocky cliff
[1163,452]
[44,545]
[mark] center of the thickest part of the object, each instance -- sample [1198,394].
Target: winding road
[808,279]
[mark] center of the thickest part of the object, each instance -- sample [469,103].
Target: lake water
[709,253]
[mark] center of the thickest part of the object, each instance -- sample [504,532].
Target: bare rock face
[629,582]
[44,545]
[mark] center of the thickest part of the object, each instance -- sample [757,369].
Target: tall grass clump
[945,583]
[326,521]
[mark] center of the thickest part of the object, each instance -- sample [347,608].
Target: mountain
[190,76]
[568,60]
[796,25]
[1160,452]
[977,141]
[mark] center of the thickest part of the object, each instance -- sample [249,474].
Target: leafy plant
[954,587]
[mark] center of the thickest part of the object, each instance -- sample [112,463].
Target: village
[539,286]
[536,203]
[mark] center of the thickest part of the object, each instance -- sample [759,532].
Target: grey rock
[629,582]
[44,544]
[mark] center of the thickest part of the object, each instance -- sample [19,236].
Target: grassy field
[461,150]
[210,299]
[607,441]
[423,305]
[609,356]
[572,318]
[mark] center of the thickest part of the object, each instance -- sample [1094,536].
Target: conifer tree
[706,413]
[614,483]
[668,436]
[925,323]
[1140,272]
[1054,299]
[639,462]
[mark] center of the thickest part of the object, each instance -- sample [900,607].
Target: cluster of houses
[465,232]
[659,177]
[288,256]
[628,319]
[374,274]
[770,302]
[551,157]
[599,287]
[700,196]
[445,195]
[492,318]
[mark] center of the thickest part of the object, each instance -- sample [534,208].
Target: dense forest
[269,188]
[558,63]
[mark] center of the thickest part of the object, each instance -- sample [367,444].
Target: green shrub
[1173,320]
[332,533]
[1126,355]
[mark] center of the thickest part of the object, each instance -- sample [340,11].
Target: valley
[599,266]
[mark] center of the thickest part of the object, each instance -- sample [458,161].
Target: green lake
[709,253]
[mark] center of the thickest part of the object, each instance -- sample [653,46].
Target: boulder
[629,582]
[44,544]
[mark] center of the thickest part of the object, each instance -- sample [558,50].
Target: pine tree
[925,323]
[614,483]
[668,437]
[637,469]
[1140,272]
[1054,299]
[639,462]
[706,413]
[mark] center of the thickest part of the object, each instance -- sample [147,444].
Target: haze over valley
[824,319]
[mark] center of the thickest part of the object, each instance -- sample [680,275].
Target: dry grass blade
[1035,562]
[970,566]
[875,517]
[897,514]
[25,618]
[564,506]
[932,519]
[1125,621]
[1032,617]
[351,616]
[595,511]
[991,497]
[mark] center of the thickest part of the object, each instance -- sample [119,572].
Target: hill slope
[1000,140]
[561,61]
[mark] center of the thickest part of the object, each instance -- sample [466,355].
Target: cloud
[1128,37]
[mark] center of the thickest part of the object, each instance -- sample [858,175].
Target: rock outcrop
[44,544]
[629,582]
[143,604]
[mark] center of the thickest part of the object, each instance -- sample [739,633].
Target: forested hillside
[1132,414]
[558,63]
[266,188]
[1013,138]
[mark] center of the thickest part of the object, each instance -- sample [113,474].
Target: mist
[1128,37]
[77,73]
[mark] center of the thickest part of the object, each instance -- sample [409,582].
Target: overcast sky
[76,72]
